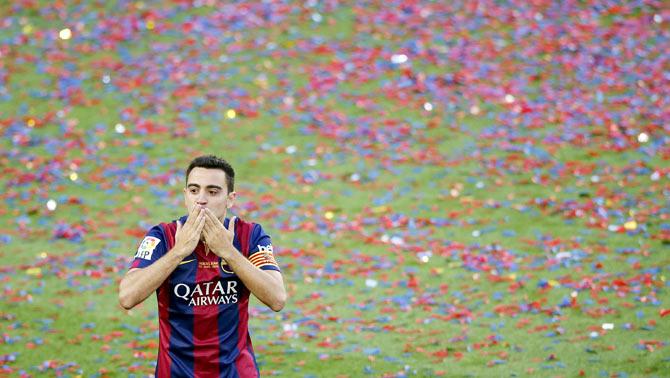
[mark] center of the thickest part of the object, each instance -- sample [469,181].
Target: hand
[218,238]
[188,235]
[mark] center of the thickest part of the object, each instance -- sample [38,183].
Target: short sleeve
[150,249]
[260,250]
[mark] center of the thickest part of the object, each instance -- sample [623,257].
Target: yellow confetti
[329,215]
[34,271]
[380,209]
[27,29]
[630,225]
[231,114]
[150,25]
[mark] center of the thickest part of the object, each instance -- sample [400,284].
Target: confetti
[459,186]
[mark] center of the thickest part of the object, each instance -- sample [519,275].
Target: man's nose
[201,199]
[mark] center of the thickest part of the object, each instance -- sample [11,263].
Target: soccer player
[203,267]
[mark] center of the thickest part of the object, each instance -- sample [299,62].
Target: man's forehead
[206,177]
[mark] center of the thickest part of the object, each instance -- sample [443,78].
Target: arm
[139,283]
[266,285]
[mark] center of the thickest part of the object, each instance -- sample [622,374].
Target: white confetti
[399,58]
[52,205]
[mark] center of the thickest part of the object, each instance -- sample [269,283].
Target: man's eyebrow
[207,187]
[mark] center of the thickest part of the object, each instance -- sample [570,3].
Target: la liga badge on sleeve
[147,247]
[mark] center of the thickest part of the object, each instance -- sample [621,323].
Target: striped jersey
[203,306]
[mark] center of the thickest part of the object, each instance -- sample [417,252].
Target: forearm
[138,284]
[266,286]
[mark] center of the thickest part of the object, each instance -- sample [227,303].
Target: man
[203,267]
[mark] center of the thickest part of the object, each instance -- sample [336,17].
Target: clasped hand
[202,224]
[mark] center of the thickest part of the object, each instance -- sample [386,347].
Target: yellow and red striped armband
[264,257]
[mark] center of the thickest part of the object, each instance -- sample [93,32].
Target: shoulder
[169,228]
[252,229]
[241,225]
[157,231]
[239,222]
[162,232]
[153,240]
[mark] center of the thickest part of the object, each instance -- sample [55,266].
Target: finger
[178,225]
[207,220]
[201,222]
[212,217]
[193,214]
[207,234]
[231,224]
[196,218]
[201,214]
[207,224]
[214,223]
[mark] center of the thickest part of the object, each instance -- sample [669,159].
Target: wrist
[180,251]
[225,253]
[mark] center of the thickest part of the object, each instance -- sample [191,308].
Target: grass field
[452,190]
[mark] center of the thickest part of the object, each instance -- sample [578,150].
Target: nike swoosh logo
[186,262]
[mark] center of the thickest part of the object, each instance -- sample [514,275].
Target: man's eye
[194,191]
[213,192]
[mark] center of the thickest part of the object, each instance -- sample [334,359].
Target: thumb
[178,225]
[231,224]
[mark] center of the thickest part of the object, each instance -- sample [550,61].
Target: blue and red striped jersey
[203,306]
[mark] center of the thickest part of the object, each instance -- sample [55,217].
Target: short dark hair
[214,162]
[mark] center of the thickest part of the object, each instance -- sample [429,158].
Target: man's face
[207,188]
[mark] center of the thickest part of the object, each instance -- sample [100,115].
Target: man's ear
[231,199]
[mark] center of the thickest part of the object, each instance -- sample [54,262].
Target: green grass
[360,302]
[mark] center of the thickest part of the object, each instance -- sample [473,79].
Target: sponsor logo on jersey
[207,293]
[147,247]
[266,249]
[263,257]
